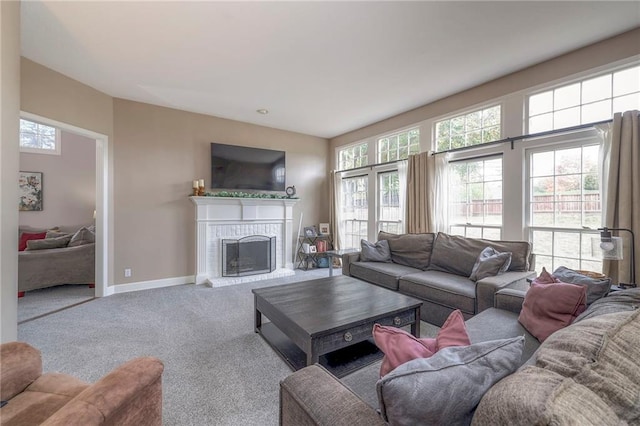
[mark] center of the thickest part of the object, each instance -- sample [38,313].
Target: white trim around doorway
[104,201]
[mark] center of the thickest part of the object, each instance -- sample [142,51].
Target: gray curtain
[622,199]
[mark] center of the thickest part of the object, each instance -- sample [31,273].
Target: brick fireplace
[219,218]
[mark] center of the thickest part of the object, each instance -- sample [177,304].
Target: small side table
[338,253]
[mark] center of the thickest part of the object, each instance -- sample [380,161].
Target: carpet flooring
[218,371]
[44,301]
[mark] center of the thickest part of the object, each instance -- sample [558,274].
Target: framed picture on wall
[30,187]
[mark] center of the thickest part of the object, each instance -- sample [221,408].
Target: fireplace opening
[250,255]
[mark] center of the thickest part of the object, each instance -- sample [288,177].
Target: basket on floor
[591,274]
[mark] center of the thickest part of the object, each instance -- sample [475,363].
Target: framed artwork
[30,187]
[324,228]
[310,231]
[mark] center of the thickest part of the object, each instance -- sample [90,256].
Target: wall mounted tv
[241,167]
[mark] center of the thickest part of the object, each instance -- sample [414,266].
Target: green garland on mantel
[234,194]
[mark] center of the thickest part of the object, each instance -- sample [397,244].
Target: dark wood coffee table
[317,317]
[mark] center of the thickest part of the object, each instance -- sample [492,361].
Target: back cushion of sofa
[409,249]
[456,254]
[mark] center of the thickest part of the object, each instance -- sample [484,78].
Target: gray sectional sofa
[435,268]
[587,373]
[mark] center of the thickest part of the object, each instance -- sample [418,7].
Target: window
[353,156]
[355,210]
[39,138]
[398,146]
[475,191]
[389,212]
[474,128]
[564,199]
[587,101]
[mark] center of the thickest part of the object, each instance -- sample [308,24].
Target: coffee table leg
[312,355]
[257,318]
[415,327]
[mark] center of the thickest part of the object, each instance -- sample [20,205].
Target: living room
[152,153]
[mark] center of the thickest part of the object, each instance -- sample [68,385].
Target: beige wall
[159,152]
[69,183]
[599,54]
[9,115]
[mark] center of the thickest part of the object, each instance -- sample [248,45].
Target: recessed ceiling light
[262,111]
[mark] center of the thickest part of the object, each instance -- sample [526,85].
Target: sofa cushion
[490,263]
[456,254]
[446,388]
[82,236]
[596,287]
[400,346]
[443,288]
[28,236]
[48,243]
[549,307]
[588,373]
[493,323]
[409,249]
[378,252]
[380,273]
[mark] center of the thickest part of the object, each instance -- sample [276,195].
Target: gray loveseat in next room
[435,268]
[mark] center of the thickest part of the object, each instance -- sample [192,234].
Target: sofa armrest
[313,396]
[487,287]
[347,260]
[20,365]
[129,395]
[510,299]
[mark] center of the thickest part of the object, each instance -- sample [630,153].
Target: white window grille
[474,128]
[398,146]
[587,101]
[39,138]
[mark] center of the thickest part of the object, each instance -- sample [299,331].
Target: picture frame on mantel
[30,188]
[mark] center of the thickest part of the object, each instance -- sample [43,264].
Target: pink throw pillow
[26,236]
[400,346]
[549,307]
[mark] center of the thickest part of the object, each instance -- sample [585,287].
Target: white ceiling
[320,68]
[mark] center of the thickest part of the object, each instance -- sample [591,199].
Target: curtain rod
[511,140]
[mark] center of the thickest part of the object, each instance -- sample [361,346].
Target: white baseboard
[147,285]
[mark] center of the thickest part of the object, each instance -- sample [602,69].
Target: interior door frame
[104,200]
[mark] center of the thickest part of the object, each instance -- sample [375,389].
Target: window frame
[576,79]
[587,137]
[30,150]
[478,108]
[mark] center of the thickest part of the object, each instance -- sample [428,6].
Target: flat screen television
[242,167]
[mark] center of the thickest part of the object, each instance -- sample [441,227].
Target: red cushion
[26,236]
[400,347]
[549,307]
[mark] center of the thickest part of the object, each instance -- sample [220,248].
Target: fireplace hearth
[250,255]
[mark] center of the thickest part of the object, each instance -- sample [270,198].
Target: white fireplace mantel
[221,217]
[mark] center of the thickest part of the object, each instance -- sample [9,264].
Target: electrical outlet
[127,272]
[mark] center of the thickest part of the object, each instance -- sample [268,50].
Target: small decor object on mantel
[30,184]
[201,187]
[290,191]
[324,228]
[196,191]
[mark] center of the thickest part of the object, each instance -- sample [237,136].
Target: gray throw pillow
[81,237]
[596,287]
[412,250]
[490,263]
[48,243]
[378,252]
[446,388]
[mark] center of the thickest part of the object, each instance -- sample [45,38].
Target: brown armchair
[129,395]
